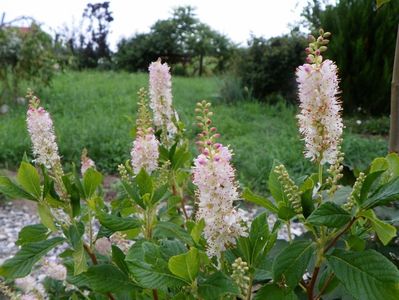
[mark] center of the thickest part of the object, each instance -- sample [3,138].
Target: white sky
[235,18]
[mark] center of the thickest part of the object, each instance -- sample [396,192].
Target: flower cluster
[145,152]
[217,189]
[161,98]
[55,270]
[320,121]
[41,131]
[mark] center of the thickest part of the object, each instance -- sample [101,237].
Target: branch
[312,283]
[334,241]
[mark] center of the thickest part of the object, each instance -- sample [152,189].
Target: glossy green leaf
[214,286]
[118,257]
[79,259]
[291,263]
[274,292]
[367,275]
[185,265]
[275,188]
[116,223]
[329,214]
[144,183]
[46,217]
[385,232]
[92,179]
[172,230]
[387,193]
[108,279]
[264,202]
[29,179]
[32,233]
[21,264]
[12,190]
[197,230]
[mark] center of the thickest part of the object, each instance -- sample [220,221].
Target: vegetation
[98,110]
[363,47]
[26,56]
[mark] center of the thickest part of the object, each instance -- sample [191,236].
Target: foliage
[88,44]
[267,66]
[81,103]
[182,40]
[363,47]
[26,56]
[149,246]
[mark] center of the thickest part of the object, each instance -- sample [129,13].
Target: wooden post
[394,128]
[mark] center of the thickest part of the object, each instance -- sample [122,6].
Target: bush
[26,56]
[363,47]
[268,65]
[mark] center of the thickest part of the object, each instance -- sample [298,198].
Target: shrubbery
[26,56]
[175,232]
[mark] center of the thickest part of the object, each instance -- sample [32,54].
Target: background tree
[363,47]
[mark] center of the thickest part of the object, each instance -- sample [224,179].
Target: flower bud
[323,49]
[327,35]
[311,38]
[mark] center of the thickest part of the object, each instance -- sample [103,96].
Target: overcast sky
[235,18]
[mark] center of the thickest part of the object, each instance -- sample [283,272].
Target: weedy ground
[97,110]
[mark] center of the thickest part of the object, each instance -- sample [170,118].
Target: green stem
[320,174]
[249,292]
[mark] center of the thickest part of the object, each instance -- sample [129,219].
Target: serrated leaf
[153,277]
[329,214]
[275,188]
[118,257]
[367,275]
[215,286]
[108,279]
[144,183]
[29,179]
[116,223]
[79,260]
[172,230]
[185,265]
[12,190]
[385,194]
[91,181]
[291,263]
[274,292]
[369,181]
[32,233]
[21,264]
[264,202]
[197,230]
[385,232]
[45,217]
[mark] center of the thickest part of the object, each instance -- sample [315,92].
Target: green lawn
[96,110]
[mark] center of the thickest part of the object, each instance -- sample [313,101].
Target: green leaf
[291,263]
[172,230]
[118,257]
[45,216]
[275,187]
[108,279]
[264,202]
[91,181]
[379,164]
[21,264]
[152,276]
[32,233]
[12,190]
[393,161]
[185,265]
[132,191]
[367,275]
[29,179]
[385,232]
[116,223]
[215,286]
[144,183]
[197,230]
[368,183]
[385,194]
[329,214]
[79,259]
[274,292]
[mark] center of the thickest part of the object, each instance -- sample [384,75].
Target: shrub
[175,232]
[26,55]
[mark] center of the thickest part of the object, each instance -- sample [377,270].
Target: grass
[96,110]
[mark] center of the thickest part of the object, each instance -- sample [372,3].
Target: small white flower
[145,153]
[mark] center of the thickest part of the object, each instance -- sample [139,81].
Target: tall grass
[97,110]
